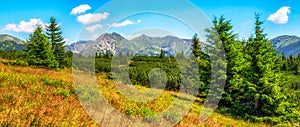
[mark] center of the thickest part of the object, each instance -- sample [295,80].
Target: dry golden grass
[42,97]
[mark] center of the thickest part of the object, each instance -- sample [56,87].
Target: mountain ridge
[146,45]
[287,44]
[8,42]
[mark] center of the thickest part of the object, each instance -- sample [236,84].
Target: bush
[139,70]
[65,93]
[130,111]
[147,114]
[52,82]
[15,63]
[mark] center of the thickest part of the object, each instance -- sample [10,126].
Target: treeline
[291,64]
[44,48]
[255,88]
[260,85]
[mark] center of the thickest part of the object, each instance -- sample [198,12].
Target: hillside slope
[289,45]
[115,43]
[8,42]
[41,97]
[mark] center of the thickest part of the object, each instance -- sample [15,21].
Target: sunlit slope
[41,97]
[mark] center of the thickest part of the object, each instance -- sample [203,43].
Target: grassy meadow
[43,97]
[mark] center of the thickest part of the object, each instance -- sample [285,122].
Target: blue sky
[281,17]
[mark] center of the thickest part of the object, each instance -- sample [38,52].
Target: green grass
[41,97]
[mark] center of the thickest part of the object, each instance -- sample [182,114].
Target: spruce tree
[236,63]
[196,46]
[39,50]
[54,34]
[263,94]
[218,67]
[162,54]
[203,64]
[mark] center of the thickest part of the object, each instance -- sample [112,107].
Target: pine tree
[197,49]
[39,50]
[263,95]
[54,34]
[162,54]
[218,67]
[203,64]
[236,63]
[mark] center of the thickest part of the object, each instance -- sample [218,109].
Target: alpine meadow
[261,74]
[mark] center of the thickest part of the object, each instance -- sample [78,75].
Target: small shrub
[110,75]
[147,113]
[52,82]
[65,93]
[21,63]
[130,111]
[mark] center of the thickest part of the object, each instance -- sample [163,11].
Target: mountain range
[289,45]
[8,42]
[145,45]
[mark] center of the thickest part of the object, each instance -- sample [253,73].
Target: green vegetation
[39,49]
[54,34]
[253,88]
[264,97]
[42,97]
[45,50]
[8,43]
[162,54]
[260,86]
[203,61]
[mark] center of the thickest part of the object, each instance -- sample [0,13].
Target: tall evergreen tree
[39,50]
[236,63]
[218,67]
[196,46]
[203,64]
[263,95]
[162,54]
[54,34]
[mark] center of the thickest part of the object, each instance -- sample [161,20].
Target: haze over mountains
[146,45]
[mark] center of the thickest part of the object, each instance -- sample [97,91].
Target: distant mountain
[289,45]
[79,47]
[145,45]
[8,42]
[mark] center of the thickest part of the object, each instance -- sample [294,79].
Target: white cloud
[125,23]
[92,18]
[93,28]
[80,9]
[139,21]
[281,15]
[24,26]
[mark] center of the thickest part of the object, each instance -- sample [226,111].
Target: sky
[88,19]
